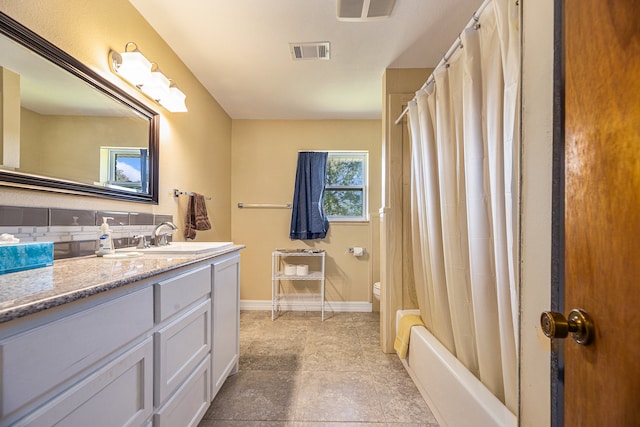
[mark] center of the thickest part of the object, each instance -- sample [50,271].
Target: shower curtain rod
[473,21]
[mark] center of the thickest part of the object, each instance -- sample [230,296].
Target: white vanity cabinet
[151,353]
[225,300]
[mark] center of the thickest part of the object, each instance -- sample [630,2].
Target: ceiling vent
[364,10]
[317,50]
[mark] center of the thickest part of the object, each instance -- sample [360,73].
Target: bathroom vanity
[137,342]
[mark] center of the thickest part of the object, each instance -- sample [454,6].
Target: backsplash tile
[141,218]
[159,219]
[72,217]
[73,249]
[117,218]
[17,215]
[75,231]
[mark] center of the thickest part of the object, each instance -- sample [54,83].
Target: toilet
[376,290]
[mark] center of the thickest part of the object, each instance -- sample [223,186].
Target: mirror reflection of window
[125,168]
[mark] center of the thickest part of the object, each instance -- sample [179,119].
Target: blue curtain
[308,220]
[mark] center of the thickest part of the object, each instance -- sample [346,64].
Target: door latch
[579,325]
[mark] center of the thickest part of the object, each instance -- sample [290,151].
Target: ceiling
[239,50]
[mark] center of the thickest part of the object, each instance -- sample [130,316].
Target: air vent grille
[364,10]
[315,50]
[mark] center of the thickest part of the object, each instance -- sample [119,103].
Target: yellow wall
[264,157]
[195,147]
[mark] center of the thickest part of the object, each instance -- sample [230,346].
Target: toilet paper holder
[357,251]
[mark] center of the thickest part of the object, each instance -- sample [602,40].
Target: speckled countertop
[30,291]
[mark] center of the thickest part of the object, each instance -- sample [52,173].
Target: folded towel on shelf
[197,217]
[401,344]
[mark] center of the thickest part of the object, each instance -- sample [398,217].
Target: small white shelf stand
[278,276]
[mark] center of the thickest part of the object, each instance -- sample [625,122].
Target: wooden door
[602,209]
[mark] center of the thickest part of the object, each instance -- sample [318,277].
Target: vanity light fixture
[156,86]
[132,66]
[175,101]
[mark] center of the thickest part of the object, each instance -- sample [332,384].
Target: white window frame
[364,156]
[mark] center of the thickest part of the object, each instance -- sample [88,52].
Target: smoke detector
[364,10]
[315,50]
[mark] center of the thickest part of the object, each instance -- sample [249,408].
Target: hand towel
[401,344]
[197,218]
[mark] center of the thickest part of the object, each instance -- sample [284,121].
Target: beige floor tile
[298,371]
[337,396]
[256,396]
[333,357]
[400,399]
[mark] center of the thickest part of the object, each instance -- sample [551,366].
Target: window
[345,193]
[126,168]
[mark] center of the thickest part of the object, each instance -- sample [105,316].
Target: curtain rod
[472,22]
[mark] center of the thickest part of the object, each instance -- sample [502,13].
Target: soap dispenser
[105,243]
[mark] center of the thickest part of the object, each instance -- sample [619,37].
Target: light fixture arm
[126,47]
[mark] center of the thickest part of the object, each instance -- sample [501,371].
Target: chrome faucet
[142,241]
[160,236]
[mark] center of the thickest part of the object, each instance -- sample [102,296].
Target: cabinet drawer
[175,294]
[34,363]
[180,347]
[189,404]
[117,395]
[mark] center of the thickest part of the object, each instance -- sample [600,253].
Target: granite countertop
[30,291]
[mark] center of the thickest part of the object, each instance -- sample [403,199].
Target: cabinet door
[119,394]
[36,363]
[180,347]
[226,320]
[189,403]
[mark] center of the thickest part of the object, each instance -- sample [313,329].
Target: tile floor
[299,371]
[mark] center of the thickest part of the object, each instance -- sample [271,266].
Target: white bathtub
[456,397]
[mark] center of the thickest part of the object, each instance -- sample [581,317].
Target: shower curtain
[464,178]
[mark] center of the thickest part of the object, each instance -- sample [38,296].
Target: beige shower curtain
[464,129]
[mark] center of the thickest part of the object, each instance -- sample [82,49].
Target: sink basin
[186,248]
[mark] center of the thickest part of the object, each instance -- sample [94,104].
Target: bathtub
[456,397]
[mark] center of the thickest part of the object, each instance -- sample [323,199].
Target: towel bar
[265,205]
[177,193]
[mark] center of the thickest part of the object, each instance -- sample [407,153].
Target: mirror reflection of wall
[56,116]
[9,118]
[68,147]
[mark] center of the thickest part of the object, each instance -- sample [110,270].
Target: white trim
[309,304]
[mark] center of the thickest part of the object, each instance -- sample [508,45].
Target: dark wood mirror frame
[24,36]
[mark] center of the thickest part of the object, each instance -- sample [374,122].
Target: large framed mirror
[64,128]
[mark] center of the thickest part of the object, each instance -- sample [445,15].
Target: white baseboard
[308,304]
